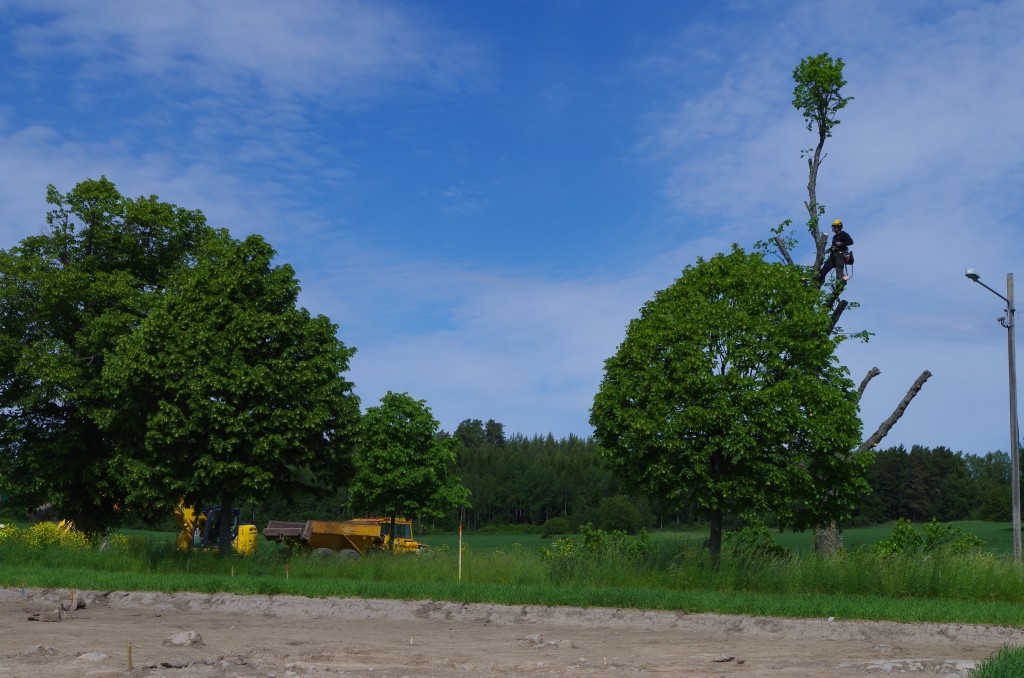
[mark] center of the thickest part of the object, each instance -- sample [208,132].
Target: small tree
[726,392]
[402,465]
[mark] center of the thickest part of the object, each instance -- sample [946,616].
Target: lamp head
[972,274]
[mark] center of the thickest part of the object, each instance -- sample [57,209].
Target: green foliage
[145,357]
[555,526]
[726,392]
[904,538]
[66,297]
[403,467]
[817,95]
[935,537]
[672,573]
[44,535]
[231,388]
[925,483]
[619,513]
[1007,663]
[567,559]
[754,542]
[526,480]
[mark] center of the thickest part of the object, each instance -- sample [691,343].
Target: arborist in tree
[839,254]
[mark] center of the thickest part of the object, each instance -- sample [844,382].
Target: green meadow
[670,570]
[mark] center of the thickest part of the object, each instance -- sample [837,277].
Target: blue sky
[482,194]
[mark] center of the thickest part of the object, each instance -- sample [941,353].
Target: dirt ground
[219,635]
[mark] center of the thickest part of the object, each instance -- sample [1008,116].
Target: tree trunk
[828,539]
[715,541]
[813,213]
[224,530]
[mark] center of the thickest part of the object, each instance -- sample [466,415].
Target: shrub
[753,542]
[553,526]
[936,536]
[8,533]
[567,559]
[619,513]
[46,534]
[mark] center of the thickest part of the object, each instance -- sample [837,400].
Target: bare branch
[780,243]
[872,373]
[883,430]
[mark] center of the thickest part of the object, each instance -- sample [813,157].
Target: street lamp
[1007,321]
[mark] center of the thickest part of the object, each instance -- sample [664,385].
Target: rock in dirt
[50,616]
[537,640]
[721,659]
[73,603]
[42,650]
[94,656]
[184,639]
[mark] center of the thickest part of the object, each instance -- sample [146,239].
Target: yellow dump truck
[351,538]
[200,530]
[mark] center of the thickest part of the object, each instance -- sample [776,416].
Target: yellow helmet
[838,222]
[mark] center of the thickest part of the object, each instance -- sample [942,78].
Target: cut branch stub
[872,373]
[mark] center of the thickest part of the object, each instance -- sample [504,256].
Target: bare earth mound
[190,634]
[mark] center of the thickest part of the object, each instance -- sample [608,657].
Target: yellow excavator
[200,530]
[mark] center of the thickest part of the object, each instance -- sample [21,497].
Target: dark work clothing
[836,256]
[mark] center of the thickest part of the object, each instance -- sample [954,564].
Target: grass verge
[980,588]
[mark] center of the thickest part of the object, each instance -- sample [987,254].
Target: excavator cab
[202,530]
[210,536]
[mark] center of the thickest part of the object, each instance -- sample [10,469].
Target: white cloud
[313,48]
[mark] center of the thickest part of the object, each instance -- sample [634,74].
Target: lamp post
[1007,321]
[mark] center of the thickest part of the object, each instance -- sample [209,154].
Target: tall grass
[672,573]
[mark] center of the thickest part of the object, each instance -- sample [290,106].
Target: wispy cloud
[317,48]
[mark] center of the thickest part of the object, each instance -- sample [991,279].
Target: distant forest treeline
[520,482]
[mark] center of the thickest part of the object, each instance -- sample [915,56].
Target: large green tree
[231,390]
[403,467]
[66,296]
[726,392]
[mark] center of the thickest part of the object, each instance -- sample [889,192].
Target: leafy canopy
[66,296]
[819,80]
[231,388]
[726,392]
[403,467]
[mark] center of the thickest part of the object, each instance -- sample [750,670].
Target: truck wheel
[349,554]
[322,553]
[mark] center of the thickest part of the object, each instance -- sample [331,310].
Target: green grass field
[671,572]
[998,537]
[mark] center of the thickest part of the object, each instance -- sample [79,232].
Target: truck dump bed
[356,535]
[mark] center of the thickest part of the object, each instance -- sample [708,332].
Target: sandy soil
[283,636]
